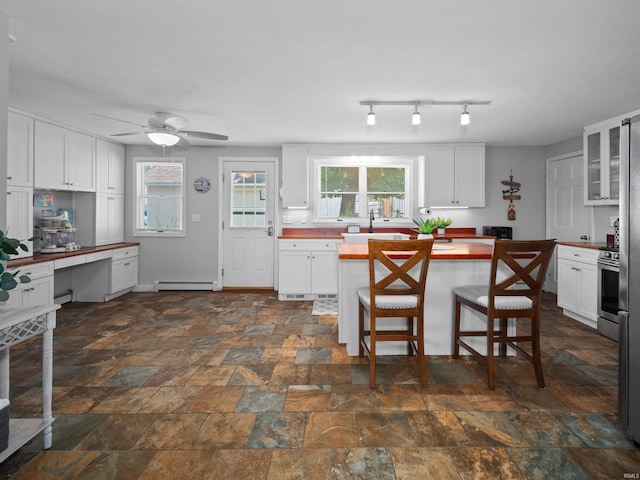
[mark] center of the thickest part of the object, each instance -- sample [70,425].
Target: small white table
[18,324]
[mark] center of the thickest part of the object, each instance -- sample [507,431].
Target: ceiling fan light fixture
[163,138]
[464,118]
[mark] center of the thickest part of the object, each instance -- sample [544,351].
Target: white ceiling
[267,72]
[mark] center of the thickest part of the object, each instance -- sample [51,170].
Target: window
[248,198]
[351,187]
[160,196]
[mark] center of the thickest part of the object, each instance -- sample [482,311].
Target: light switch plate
[195,217]
[287,219]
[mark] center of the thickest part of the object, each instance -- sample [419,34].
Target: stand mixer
[58,235]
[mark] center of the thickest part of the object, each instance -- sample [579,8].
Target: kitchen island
[451,265]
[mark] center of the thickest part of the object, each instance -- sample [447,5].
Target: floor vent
[168,285]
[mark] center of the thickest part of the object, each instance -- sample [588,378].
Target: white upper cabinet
[602,164]
[294,177]
[20,150]
[109,167]
[19,217]
[455,175]
[63,159]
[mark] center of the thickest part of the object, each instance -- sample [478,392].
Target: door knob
[270,231]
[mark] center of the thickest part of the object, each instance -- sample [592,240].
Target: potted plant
[9,281]
[442,223]
[425,227]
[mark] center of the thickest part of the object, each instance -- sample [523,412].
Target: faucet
[371,219]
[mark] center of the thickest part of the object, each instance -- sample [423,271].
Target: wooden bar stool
[397,278]
[518,270]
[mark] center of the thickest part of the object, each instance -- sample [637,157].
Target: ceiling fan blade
[203,135]
[119,120]
[124,134]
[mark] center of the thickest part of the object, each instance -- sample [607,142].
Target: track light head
[464,118]
[415,118]
[371,117]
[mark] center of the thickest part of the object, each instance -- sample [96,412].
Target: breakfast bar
[451,265]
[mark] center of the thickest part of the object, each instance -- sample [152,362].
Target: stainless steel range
[608,281]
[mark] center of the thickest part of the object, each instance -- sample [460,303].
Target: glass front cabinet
[602,164]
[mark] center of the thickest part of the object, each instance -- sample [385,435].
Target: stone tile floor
[201,385]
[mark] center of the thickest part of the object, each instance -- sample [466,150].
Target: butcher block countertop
[336,233]
[48,257]
[592,245]
[450,251]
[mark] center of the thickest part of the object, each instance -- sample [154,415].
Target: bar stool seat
[518,271]
[397,279]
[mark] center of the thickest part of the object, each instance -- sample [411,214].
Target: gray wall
[528,166]
[194,257]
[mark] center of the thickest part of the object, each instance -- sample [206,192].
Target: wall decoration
[42,200]
[509,194]
[202,184]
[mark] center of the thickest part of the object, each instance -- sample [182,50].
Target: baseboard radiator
[68,295]
[179,285]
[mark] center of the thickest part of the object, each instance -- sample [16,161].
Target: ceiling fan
[166,129]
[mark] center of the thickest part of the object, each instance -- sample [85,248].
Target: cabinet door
[324,272]
[109,167]
[588,305]
[294,191]
[568,285]
[124,274]
[103,150]
[20,217]
[439,163]
[102,219]
[20,150]
[115,219]
[131,272]
[38,292]
[469,176]
[80,162]
[48,156]
[294,272]
[602,166]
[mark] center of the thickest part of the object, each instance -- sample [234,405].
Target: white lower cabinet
[39,291]
[578,283]
[308,269]
[124,269]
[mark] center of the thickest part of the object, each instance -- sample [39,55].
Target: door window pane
[248,198]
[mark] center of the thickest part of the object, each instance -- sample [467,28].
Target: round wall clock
[201,184]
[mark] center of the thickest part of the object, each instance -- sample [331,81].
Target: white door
[568,218]
[248,229]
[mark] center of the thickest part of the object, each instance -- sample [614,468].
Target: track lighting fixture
[415,118]
[371,117]
[464,118]
[164,139]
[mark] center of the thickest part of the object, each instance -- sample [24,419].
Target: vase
[424,236]
[441,231]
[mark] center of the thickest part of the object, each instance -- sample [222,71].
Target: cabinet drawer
[307,245]
[585,255]
[36,270]
[94,257]
[70,261]
[128,252]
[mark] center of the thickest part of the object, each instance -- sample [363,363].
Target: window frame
[409,162]
[139,197]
